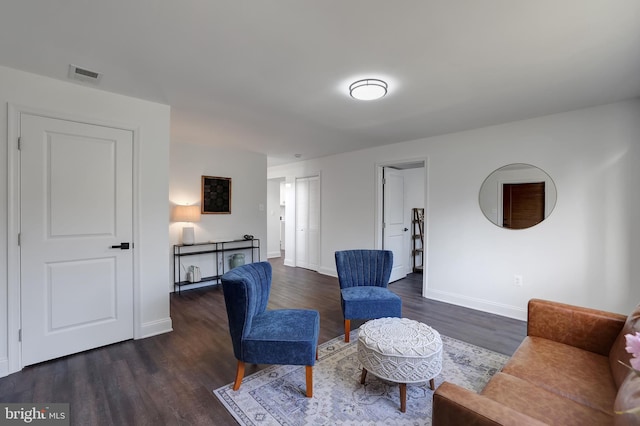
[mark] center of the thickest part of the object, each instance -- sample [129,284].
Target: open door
[393,232]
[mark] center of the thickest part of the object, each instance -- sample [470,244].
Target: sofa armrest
[584,328]
[455,405]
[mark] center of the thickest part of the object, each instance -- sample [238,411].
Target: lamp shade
[186,214]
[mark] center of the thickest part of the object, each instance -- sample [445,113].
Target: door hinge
[384,181]
[20,335]
[19,143]
[19,235]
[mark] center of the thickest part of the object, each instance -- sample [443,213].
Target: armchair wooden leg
[347,330]
[309,370]
[239,376]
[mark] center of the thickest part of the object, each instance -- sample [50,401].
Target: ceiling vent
[84,75]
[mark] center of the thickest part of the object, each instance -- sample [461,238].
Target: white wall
[151,123]
[189,162]
[585,253]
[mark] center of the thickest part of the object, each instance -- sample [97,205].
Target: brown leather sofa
[565,372]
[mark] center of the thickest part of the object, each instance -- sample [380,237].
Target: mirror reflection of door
[522,204]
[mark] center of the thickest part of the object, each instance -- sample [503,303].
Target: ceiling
[272,76]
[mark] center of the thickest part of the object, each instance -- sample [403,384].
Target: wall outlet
[517,280]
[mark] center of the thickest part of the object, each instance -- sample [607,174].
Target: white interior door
[302,219]
[308,222]
[393,231]
[76,203]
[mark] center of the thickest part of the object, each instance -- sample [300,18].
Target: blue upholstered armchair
[261,336]
[364,277]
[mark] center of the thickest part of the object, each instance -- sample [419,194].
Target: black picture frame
[216,195]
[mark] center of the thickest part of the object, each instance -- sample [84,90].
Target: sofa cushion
[618,352]
[564,370]
[628,399]
[454,405]
[536,402]
[590,329]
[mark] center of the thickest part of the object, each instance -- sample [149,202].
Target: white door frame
[379,208]
[14,346]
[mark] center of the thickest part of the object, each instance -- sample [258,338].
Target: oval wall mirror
[517,196]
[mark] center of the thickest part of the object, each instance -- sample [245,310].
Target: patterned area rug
[276,395]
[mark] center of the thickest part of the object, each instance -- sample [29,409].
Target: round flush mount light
[368,89]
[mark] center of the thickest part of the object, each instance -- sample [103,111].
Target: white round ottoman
[400,350]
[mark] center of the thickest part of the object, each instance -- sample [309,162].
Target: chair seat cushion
[367,302]
[284,336]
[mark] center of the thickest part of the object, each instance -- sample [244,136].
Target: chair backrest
[246,294]
[364,267]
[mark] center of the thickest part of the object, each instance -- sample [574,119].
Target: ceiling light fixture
[368,89]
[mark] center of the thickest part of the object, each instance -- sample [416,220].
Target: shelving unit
[418,239]
[217,250]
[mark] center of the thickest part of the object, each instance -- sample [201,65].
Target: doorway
[401,187]
[275,217]
[307,226]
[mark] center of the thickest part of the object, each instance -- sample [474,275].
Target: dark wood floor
[168,379]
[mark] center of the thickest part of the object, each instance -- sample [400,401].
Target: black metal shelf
[202,280]
[417,254]
[217,249]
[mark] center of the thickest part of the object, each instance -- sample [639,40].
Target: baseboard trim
[153,328]
[328,271]
[273,254]
[479,304]
[4,367]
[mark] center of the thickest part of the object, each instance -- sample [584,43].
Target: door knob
[122,246]
[405,229]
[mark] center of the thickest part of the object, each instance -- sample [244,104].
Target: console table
[216,250]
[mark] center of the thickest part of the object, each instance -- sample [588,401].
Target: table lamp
[187,214]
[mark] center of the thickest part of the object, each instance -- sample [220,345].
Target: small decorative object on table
[236,260]
[633,347]
[193,274]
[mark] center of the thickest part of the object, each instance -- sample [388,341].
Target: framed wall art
[216,195]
